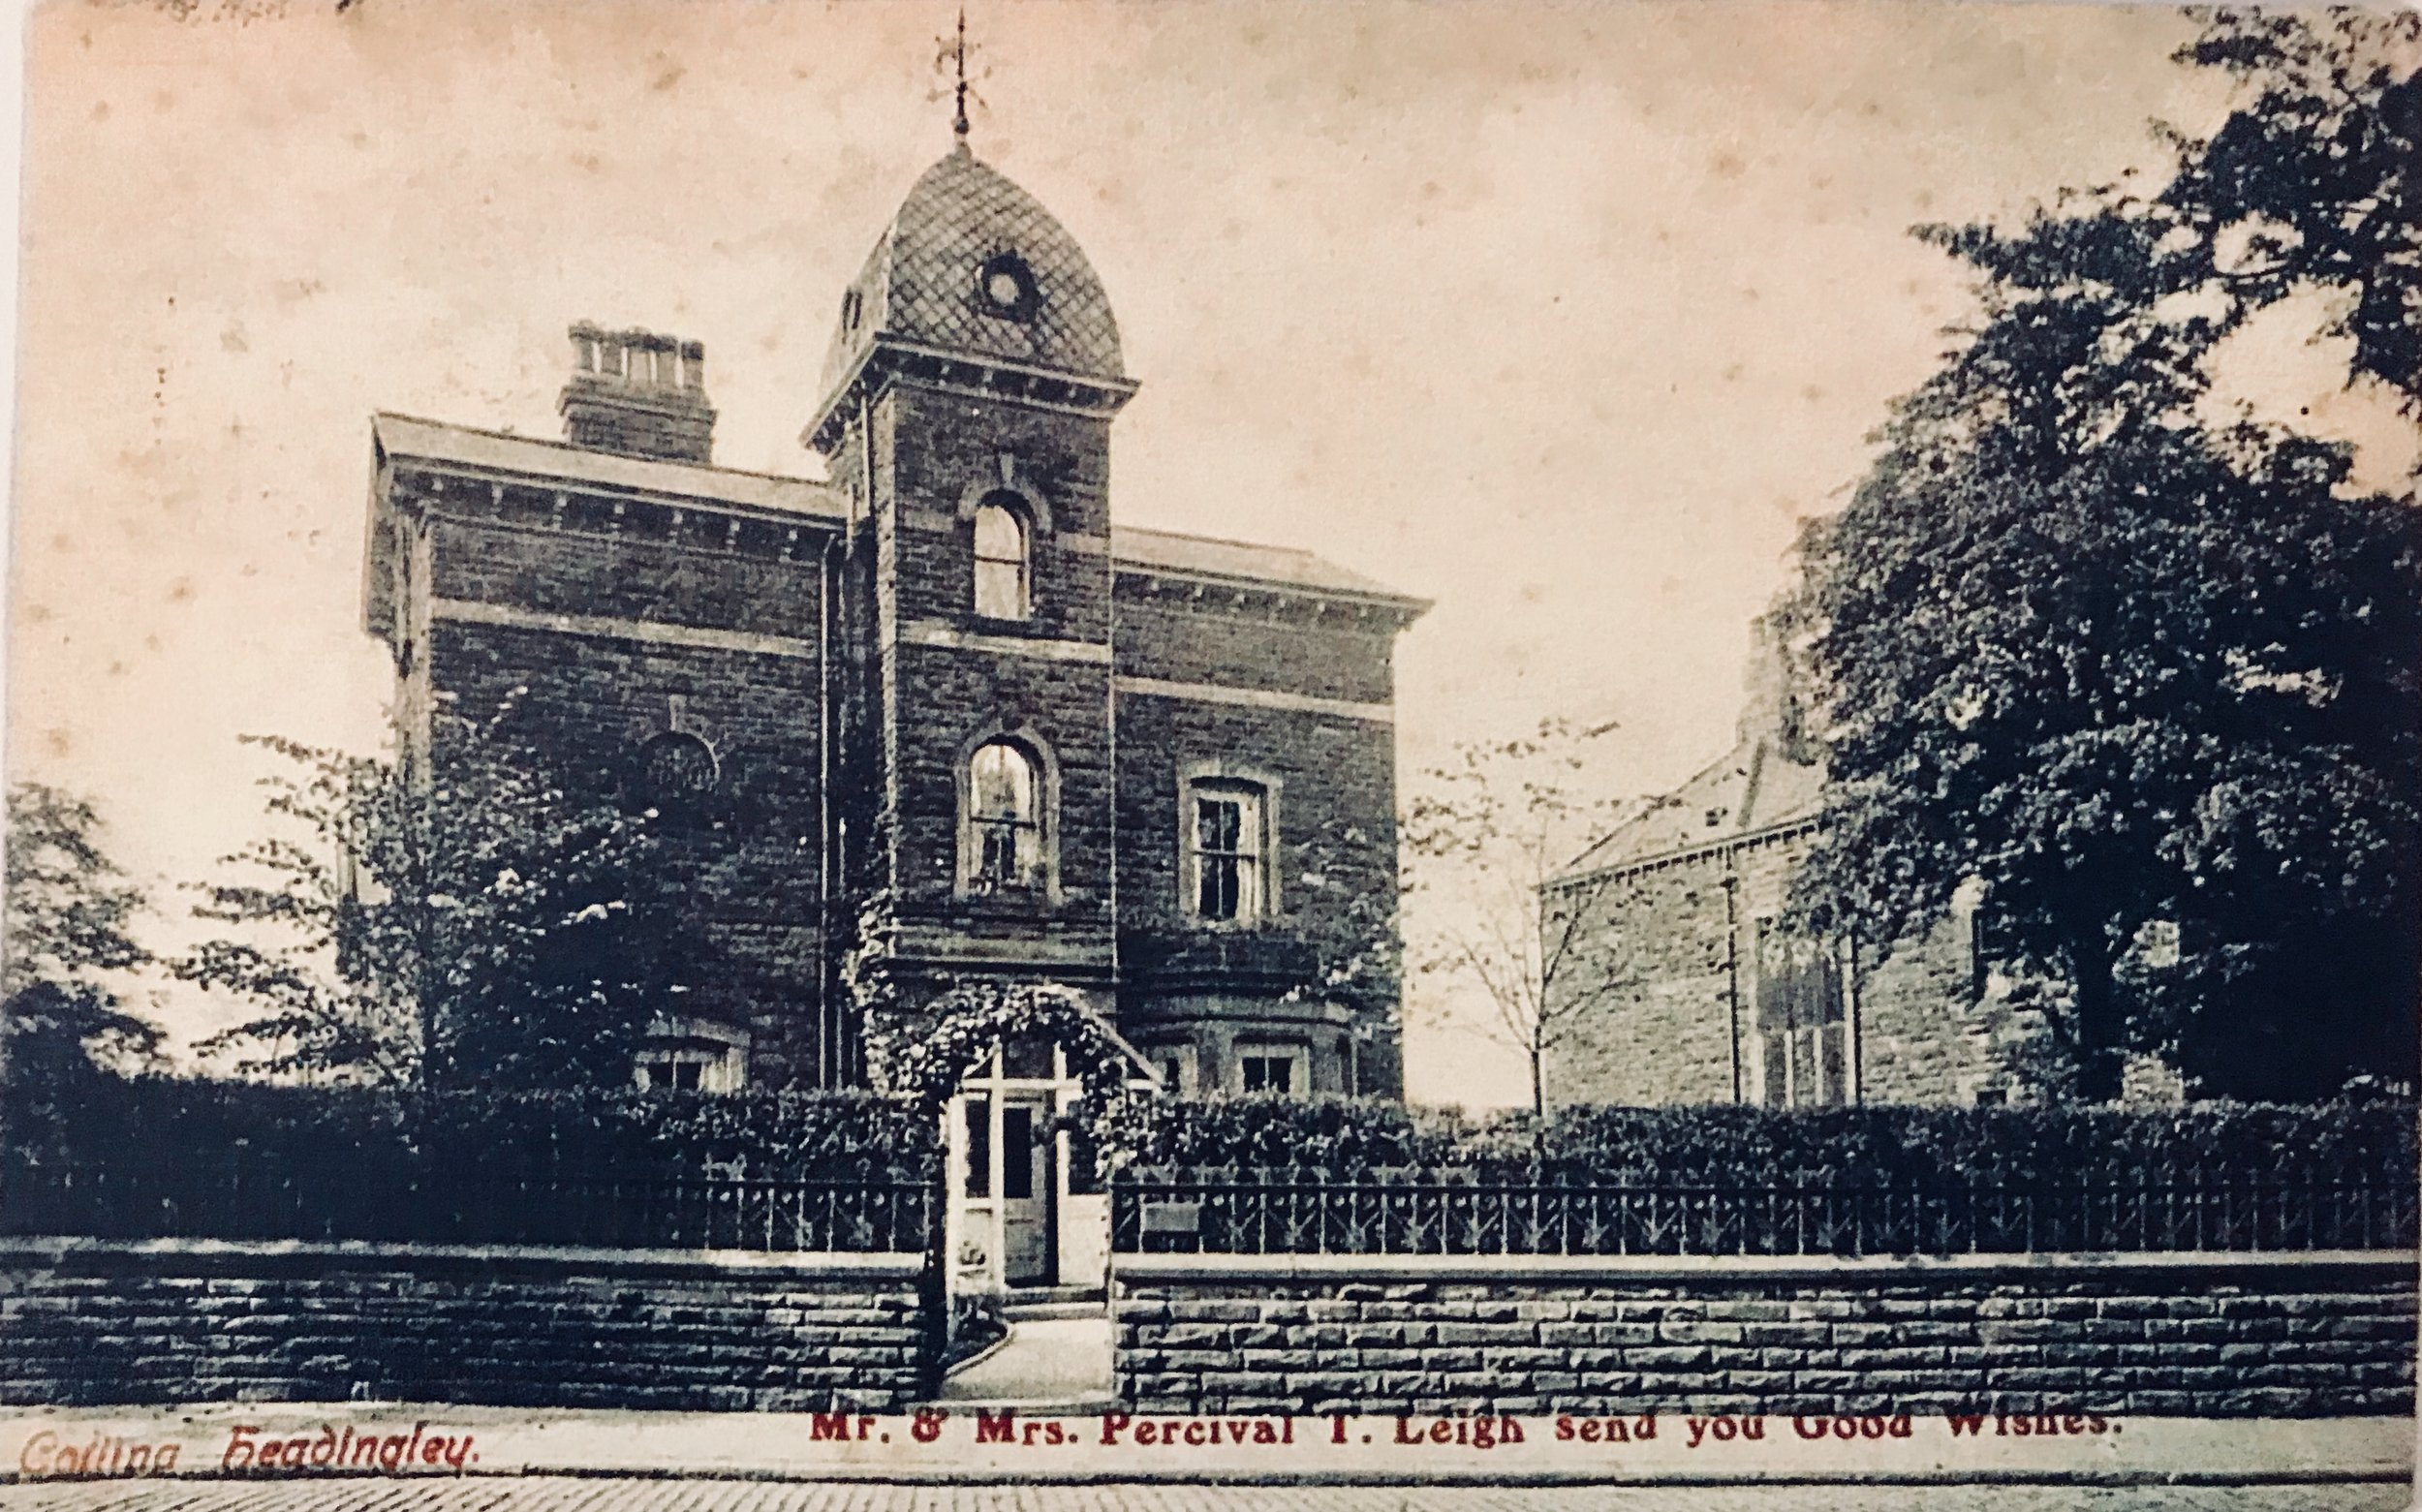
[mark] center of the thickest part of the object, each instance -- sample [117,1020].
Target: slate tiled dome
[922,283]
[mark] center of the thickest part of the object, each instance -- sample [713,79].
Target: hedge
[1723,1144]
[831,1136]
[855,1135]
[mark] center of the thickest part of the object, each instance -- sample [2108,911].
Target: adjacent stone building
[1159,768]
[1693,994]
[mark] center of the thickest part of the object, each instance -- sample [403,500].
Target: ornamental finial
[953,52]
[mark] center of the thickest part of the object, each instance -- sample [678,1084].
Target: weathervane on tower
[953,55]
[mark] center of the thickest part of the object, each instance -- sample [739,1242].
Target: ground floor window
[1178,1069]
[691,1055]
[1800,1026]
[1272,1068]
[691,1068]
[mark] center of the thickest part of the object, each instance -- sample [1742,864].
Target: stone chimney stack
[1770,703]
[639,394]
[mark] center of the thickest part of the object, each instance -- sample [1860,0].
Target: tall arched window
[1001,561]
[1003,820]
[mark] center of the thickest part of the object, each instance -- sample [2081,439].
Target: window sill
[991,625]
[1266,925]
[1036,903]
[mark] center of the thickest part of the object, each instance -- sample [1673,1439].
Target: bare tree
[1485,833]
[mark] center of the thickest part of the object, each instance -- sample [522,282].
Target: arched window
[1003,820]
[677,772]
[1001,560]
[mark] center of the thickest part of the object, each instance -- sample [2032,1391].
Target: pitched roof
[404,436]
[1755,786]
[1209,556]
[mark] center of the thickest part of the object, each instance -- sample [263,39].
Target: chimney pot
[632,392]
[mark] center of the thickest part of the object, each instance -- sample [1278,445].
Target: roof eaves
[1376,597]
[1781,829]
[775,495]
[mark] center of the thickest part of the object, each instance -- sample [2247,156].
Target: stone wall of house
[84,1322]
[2217,1336]
[1674,939]
[1252,638]
[1657,953]
[841,677]
[1935,1028]
[940,680]
[1331,779]
[746,858]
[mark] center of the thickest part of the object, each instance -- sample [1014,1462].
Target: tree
[1483,834]
[2147,674]
[71,915]
[2310,183]
[458,920]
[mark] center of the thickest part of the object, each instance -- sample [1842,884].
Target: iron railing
[623,1207]
[1298,1213]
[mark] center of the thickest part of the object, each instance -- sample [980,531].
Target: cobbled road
[599,1495]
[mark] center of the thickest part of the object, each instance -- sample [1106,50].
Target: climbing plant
[924,1057]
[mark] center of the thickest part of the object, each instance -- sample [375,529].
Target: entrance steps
[1017,1301]
[1046,1302]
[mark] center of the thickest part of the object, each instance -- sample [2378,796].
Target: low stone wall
[2203,1336]
[91,1321]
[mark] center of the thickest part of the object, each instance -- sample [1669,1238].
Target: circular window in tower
[676,770]
[1006,286]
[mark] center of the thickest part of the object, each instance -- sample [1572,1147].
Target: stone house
[1157,768]
[1693,994]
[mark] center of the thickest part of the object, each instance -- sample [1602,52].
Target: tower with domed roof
[1153,767]
[968,396]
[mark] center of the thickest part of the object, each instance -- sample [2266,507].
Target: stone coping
[238,1255]
[1860,1270]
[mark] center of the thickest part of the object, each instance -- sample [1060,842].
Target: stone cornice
[466,496]
[890,360]
[1255,698]
[936,632]
[1265,599]
[605,627]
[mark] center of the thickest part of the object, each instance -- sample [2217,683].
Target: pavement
[963,1456]
[565,1493]
[1042,1361]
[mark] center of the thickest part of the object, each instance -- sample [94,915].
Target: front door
[1027,1185]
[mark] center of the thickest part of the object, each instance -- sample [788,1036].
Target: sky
[1559,315]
